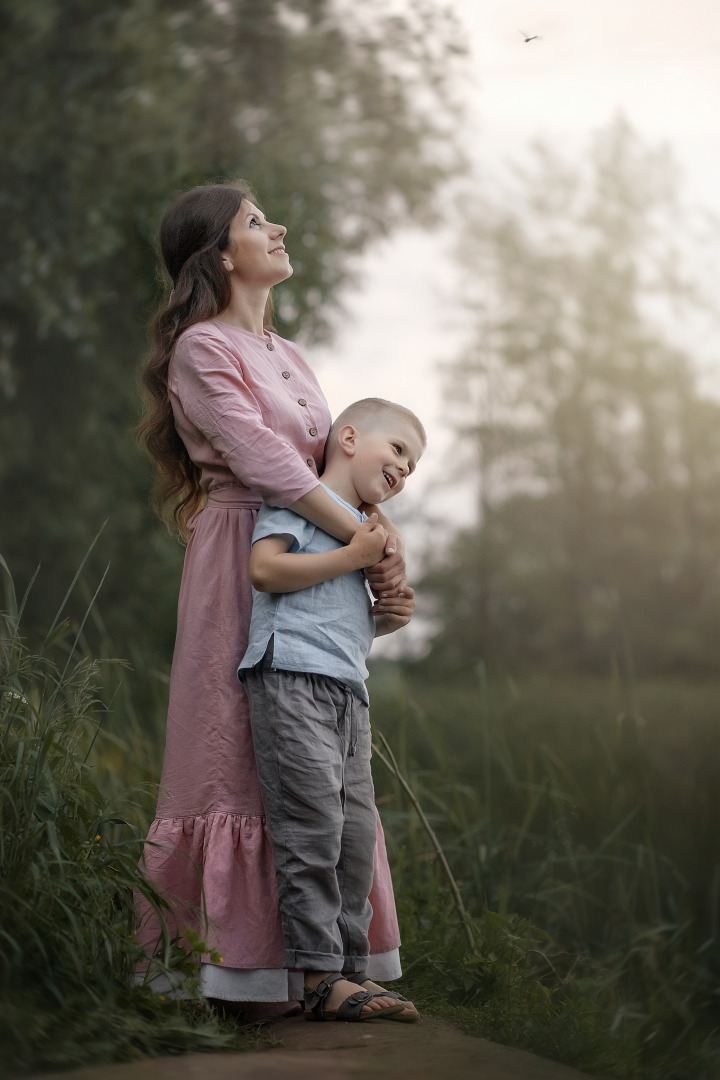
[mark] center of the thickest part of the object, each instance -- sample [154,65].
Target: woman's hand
[392,612]
[388,575]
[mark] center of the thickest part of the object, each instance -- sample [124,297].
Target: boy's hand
[368,543]
[392,612]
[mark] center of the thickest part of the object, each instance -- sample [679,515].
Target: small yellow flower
[161,996]
[220,959]
[98,836]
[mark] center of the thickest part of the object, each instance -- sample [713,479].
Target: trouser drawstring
[349,714]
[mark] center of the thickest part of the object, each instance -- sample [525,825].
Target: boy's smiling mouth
[389,480]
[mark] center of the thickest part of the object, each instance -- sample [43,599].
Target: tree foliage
[598,455]
[339,116]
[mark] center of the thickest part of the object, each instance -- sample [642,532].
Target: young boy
[312,626]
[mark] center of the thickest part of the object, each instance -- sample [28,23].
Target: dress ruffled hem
[217,871]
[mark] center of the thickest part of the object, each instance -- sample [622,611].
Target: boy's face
[384,456]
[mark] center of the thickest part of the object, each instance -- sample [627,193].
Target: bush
[68,870]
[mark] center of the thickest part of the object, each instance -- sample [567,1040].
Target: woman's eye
[254,221]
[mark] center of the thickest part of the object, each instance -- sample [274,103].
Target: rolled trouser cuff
[310,961]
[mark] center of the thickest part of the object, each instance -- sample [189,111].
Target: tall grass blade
[74,581]
[9,590]
[391,764]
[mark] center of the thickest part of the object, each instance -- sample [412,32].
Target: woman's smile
[256,250]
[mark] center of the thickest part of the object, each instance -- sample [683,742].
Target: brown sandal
[393,1012]
[350,1009]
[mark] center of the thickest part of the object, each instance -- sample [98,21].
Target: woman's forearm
[322,510]
[389,528]
[394,534]
[390,572]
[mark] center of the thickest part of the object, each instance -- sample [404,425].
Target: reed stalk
[388,760]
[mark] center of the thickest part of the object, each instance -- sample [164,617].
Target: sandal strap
[315,999]
[388,993]
[352,1006]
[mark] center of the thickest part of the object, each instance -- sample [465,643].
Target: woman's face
[255,253]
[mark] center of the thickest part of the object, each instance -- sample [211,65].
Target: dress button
[270,346]
[302,401]
[286,374]
[310,462]
[313,431]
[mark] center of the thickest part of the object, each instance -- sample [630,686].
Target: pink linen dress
[254,419]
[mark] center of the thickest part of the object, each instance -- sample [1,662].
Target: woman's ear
[228,263]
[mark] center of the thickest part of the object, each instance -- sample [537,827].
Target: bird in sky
[529,37]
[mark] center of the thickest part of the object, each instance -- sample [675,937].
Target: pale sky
[656,61]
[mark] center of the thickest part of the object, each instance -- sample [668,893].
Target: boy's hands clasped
[394,607]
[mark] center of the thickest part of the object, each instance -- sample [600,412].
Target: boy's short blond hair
[368,412]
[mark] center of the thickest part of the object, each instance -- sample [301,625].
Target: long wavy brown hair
[193,233]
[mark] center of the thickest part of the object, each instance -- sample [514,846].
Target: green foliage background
[566,727]
[591,442]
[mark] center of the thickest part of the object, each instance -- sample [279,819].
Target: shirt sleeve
[274,521]
[215,398]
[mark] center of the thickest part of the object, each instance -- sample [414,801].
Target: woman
[235,416]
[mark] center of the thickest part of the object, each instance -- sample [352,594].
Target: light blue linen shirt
[326,629]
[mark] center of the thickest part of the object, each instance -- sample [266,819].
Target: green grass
[578,818]
[68,870]
[588,808]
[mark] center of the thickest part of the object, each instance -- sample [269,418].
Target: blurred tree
[597,456]
[339,115]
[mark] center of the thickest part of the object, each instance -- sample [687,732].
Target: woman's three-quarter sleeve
[217,399]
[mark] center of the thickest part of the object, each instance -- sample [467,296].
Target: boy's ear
[347,438]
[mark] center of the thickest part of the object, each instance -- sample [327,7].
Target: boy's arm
[392,612]
[273,568]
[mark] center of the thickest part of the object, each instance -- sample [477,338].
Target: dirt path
[431,1050]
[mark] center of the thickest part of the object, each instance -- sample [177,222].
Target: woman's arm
[395,541]
[207,379]
[388,575]
[322,510]
[253,437]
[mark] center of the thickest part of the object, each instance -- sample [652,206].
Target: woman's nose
[277,231]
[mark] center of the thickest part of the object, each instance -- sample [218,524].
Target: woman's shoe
[350,1009]
[254,1012]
